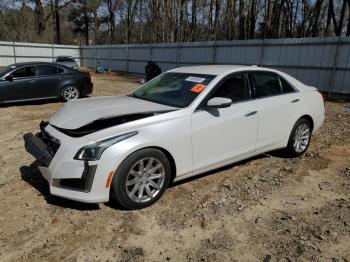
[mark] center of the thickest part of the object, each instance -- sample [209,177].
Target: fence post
[334,68]
[261,62]
[14,51]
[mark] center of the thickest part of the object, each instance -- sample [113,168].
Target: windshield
[5,70]
[174,89]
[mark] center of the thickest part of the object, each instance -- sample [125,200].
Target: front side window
[44,70]
[236,88]
[174,89]
[266,84]
[26,71]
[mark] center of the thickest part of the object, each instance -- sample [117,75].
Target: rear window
[286,87]
[266,84]
[65,59]
[44,70]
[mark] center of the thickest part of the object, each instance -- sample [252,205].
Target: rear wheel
[141,179]
[299,139]
[70,93]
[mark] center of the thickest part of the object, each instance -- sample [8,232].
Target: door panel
[14,90]
[48,85]
[220,135]
[224,134]
[276,119]
[49,80]
[276,103]
[23,84]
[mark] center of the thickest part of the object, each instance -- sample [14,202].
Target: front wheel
[141,179]
[299,139]
[70,93]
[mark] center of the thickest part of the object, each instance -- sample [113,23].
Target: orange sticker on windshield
[198,88]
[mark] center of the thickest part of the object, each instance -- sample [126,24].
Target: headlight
[94,151]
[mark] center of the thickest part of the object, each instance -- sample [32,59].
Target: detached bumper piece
[37,148]
[82,184]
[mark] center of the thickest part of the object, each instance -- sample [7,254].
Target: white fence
[15,52]
[321,62]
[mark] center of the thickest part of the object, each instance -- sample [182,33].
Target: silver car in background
[68,61]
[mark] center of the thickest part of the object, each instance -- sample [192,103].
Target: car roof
[222,70]
[208,69]
[35,63]
[31,63]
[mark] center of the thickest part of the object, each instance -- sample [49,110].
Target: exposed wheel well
[308,118]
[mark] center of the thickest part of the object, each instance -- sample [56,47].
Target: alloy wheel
[301,138]
[145,180]
[71,93]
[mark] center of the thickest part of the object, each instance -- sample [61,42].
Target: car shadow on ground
[32,176]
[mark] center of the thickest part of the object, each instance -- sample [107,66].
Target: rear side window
[236,88]
[266,84]
[44,70]
[286,87]
[26,71]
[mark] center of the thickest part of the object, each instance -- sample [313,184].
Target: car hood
[79,113]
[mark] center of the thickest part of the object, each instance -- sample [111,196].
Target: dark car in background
[39,80]
[68,61]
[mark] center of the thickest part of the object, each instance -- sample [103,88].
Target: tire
[133,188]
[70,93]
[299,139]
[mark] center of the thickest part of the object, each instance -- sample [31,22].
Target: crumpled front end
[78,180]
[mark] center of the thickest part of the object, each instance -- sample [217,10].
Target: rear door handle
[295,100]
[251,113]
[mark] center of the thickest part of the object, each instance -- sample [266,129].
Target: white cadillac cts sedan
[184,122]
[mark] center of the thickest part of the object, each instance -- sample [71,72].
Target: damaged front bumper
[67,177]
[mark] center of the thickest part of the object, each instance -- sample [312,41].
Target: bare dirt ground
[267,208]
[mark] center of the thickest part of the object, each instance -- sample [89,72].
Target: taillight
[87,76]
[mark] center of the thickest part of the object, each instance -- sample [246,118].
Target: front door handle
[295,100]
[251,113]
[33,81]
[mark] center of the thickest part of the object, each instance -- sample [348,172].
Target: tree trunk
[316,17]
[252,19]
[241,20]
[57,26]
[338,30]
[86,23]
[193,19]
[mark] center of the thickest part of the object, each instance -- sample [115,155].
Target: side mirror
[219,102]
[9,78]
